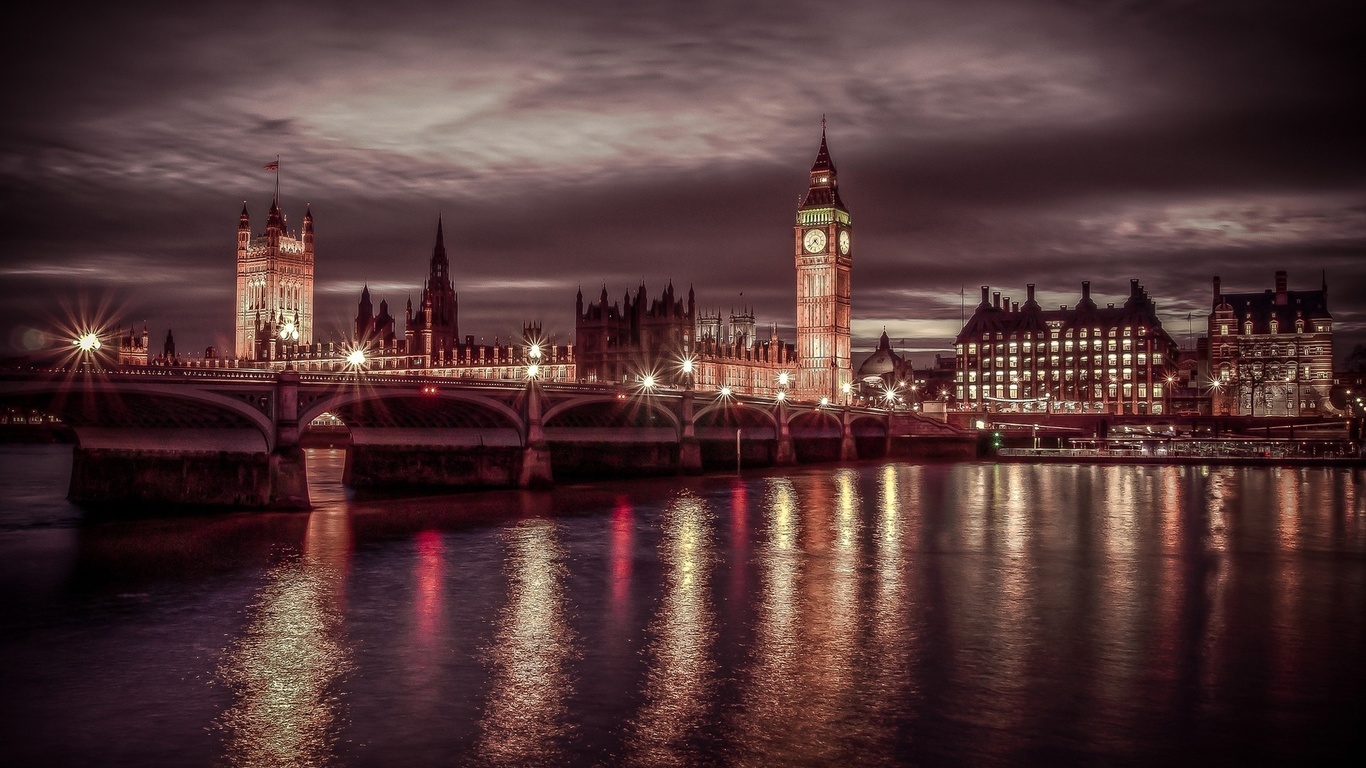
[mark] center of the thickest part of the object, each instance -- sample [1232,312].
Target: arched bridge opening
[424,441]
[730,430]
[816,435]
[596,437]
[870,436]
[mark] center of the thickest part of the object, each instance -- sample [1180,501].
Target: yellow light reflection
[774,694]
[525,717]
[282,670]
[679,683]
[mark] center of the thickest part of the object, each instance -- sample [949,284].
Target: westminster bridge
[232,437]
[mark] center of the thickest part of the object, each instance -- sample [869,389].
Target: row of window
[1014,362]
[1054,375]
[1127,345]
[1111,391]
[1275,326]
[1273,350]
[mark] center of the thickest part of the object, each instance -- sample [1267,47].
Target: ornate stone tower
[823,242]
[434,330]
[274,282]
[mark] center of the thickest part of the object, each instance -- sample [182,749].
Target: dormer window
[1299,326]
[1247,327]
[1275,326]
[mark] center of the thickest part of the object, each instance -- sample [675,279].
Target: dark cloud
[978,143]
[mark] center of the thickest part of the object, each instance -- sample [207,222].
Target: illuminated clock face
[844,242]
[814,241]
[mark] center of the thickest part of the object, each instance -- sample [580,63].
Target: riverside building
[1086,359]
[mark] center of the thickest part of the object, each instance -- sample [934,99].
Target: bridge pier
[848,447]
[130,476]
[536,469]
[787,452]
[689,448]
[288,470]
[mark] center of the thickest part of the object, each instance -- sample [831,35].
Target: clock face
[844,242]
[814,240]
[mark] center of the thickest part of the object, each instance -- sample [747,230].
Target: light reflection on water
[678,686]
[525,721]
[285,667]
[969,613]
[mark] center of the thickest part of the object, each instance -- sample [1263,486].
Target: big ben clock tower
[823,241]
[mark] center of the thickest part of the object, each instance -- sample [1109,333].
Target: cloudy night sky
[977,143]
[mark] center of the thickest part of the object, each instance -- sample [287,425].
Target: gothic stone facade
[625,341]
[274,283]
[823,243]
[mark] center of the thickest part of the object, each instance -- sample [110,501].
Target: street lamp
[846,388]
[88,342]
[289,336]
[687,365]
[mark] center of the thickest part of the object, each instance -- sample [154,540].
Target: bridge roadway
[232,437]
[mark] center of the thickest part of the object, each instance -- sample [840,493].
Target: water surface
[877,614]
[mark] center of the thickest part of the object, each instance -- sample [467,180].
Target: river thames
[873,614]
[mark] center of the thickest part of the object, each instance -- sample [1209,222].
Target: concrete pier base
[380,467]
[105,476]
[289,479]
[848,448]
[786,453]
[690,456]
[536,473]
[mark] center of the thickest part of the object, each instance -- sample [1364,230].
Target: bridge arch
[406,407]
[601,412]
[817,422]
[109,414]
[754,414]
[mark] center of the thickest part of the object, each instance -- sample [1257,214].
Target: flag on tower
[273,165]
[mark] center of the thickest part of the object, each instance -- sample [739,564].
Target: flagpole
[277,179]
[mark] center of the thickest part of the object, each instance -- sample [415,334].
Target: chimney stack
[1085,290]
[1281,297]
[1218,296]
[985,298]
[996,299]
[1029,292]
[1133,287]
[1014,306]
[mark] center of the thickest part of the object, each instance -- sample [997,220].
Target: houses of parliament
[1267,353]
[614,341]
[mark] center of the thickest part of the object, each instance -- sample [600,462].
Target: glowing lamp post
[846,388]
[88,342]
[289,336]
[356,358]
